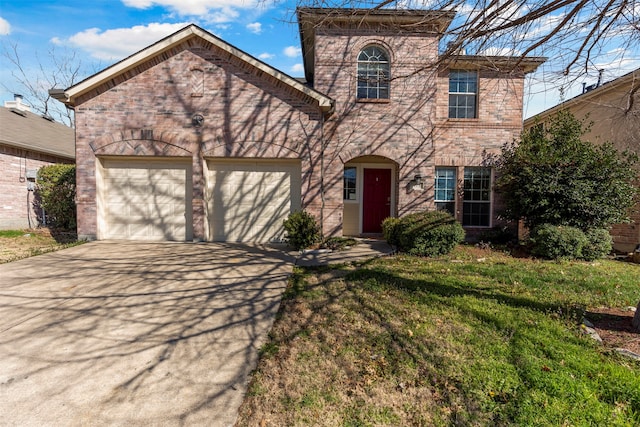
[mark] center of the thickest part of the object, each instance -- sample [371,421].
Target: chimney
[17,103]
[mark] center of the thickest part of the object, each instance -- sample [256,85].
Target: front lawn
[473,338]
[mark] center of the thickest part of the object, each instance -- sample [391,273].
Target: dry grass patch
[19,244]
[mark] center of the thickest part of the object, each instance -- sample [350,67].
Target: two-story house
[192,138]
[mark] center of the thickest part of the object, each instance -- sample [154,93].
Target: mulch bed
[615,329]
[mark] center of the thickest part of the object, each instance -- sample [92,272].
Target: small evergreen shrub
[57,190]
[390,229]
[302,230]
[599,244]
[429,233]
[558,242]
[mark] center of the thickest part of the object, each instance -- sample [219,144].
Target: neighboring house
[614,110]
[192,138]
[27,142]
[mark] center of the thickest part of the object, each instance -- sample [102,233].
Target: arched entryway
[369,195]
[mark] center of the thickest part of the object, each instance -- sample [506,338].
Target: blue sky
[102,32]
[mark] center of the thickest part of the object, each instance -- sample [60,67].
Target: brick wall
[412,129]
[17,210]
[150,114]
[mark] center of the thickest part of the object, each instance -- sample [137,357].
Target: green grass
[452,341]
[12,233]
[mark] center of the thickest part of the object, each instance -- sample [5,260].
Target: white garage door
[145,200]
[249,200]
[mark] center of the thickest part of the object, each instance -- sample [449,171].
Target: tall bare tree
[58,68]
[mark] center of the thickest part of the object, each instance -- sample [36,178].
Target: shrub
[599,244]
[302,230]
[57,190]
[558,242]
[390,230]
[429,233]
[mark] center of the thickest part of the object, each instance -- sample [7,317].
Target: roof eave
[527,64]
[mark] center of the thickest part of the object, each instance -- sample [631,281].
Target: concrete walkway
[365,249]
[112,333]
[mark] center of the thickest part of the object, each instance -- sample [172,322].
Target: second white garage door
[145,200]
[249,200]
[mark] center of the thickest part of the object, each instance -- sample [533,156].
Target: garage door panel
[248,201]
[145,200]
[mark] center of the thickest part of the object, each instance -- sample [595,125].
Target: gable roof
[632,79]
[72,94]
[29,131]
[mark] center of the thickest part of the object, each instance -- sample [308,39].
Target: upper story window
[463,94]
[373,73]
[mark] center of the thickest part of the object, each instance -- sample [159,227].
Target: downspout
[322,174]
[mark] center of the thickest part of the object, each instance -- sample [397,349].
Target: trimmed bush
[390,230]
[599,244]
[558,242]
[302,230]
[429,233]
[57,190]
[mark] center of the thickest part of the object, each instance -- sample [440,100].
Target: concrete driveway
[118,333]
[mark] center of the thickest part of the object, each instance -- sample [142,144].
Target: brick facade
[150,115]
[17,210]
[146,111]
[411,129]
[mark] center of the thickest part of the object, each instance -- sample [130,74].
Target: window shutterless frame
[445,189]
[476,206]
[373,73]
[463,94]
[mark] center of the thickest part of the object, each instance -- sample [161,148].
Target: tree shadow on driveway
[135,333]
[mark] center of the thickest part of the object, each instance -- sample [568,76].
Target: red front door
[376,199]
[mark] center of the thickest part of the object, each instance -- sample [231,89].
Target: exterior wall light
[417,183]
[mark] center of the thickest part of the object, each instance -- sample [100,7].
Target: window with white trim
[476,207]
[445,190]
[373,73]
[349,191]
[463,94]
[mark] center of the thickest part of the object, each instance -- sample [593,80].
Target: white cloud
[5,27]
[266,56]
[297,68]
[292,51]
[255,27]
[193,7]
[119,43]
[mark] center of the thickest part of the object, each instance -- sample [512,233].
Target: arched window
[373,73]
